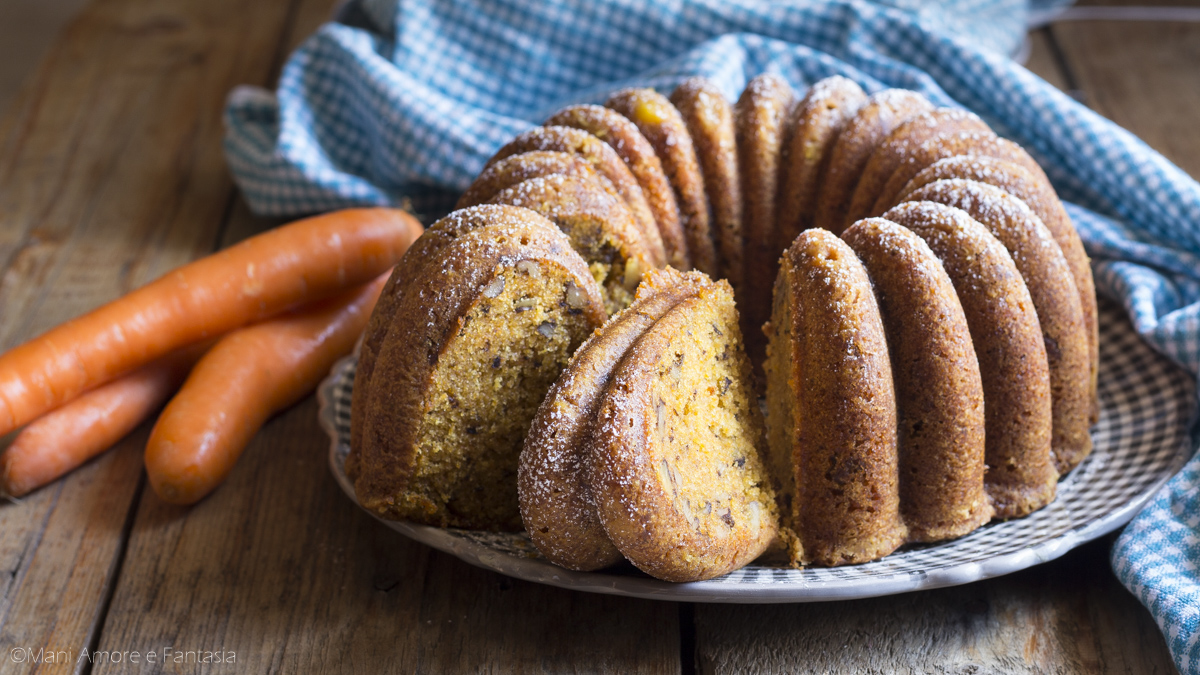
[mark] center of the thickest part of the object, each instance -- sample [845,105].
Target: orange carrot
[257,278]
[245,378]
[65,438]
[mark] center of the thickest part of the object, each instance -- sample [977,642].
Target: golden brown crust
[847,507]
[665,239]
[407,272]
[921,155]
[664,127]
[600,229]
[1008,343]
[402,476]
[596,152]
[882,112]
[901,150]
[1054,296]
[939,393]
[709,118]
[556,504]
[373,335]
[676,468]
[514,169]
[813,130]
[760,115]
[1038,195]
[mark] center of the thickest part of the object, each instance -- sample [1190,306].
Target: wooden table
[111,173]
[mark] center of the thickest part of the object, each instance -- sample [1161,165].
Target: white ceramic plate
[1140,441]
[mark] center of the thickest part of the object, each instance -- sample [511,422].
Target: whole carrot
[257,278]
[245,378]
[66,437]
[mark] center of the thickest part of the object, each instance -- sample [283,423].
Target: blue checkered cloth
[402,102]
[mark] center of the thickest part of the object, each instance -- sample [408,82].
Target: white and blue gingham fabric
[403,101]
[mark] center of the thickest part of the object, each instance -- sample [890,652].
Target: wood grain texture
[1068,616]
[111,174]
[1144,76]
[281,568]
[28,28]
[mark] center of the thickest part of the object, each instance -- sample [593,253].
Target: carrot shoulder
[245,378]
[259,277]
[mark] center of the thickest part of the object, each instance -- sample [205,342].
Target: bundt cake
[910,291]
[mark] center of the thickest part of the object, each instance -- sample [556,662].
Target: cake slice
[628,142]
[599,227]
[470,352]
[676,471]
[556,503]
[594,151]
[408,273]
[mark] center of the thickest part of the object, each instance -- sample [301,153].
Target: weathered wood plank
[1143,76]
[111,174]
[28,28]
[279,567]
[1068,616]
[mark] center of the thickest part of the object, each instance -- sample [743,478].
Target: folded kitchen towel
[403,101]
